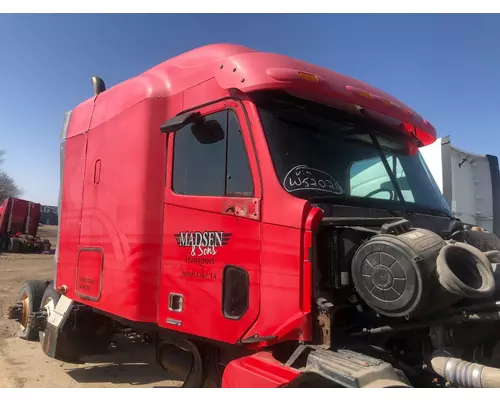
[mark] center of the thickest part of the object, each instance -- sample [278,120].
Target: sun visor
[246,74]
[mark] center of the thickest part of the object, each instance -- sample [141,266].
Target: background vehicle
[19,220]
[470,182]
[218,204]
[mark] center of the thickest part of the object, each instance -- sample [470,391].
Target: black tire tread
[49,290]
[15,245]
[483,241]
[38,291]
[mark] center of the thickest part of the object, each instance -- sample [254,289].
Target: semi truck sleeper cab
[223,204]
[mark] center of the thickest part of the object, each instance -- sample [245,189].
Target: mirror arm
[179,121]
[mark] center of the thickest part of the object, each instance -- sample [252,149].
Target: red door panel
[211,227]
[196,271]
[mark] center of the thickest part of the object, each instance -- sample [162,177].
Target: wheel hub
[40,318]
[25,313]
[15,312]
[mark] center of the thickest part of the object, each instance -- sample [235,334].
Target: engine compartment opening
[403,292]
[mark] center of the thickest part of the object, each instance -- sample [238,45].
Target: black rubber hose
[452,320]
[493,256]
[486,306]
[484,316]
[465,271]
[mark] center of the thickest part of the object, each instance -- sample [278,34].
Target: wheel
[4,243]
[31,298]
[484,241]
[184,359]
[14,245]
[48,302]
[196,376]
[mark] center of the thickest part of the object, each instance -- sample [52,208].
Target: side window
[212,167]
[199,168]
[239,177]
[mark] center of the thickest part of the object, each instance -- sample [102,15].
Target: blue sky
[446,67]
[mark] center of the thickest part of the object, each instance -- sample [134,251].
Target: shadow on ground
[129,362]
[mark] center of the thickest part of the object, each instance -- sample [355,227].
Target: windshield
[319,154]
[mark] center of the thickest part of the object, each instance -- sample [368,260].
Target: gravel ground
[23,364]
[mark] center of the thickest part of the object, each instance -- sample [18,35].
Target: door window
[216,167]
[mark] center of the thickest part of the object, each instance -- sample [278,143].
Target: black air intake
[418,273]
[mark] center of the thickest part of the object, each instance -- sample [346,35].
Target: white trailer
[469,182]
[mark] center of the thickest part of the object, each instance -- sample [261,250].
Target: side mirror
[207,132]
[180,121]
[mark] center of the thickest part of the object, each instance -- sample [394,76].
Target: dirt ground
[23,363]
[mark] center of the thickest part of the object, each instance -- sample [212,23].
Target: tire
[31,296]
[49,301]
[196,375]
[484,241]
[4,243]
[14,245]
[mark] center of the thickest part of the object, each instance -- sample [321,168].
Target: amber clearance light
[305,76]
[374,97]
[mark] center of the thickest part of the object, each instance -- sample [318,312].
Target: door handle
[175,302]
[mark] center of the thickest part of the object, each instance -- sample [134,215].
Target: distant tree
[8,188]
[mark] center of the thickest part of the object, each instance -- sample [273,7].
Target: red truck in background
[19,220]
[218,206]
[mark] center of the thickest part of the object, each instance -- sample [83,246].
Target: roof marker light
[362,93]
[306,76]
[388,103]
[380,99]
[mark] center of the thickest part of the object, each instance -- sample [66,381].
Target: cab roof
[246,70]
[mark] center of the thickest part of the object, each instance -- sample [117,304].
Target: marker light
[361,93]
[370,96]
[305,76]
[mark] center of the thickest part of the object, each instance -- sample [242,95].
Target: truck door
[209,284]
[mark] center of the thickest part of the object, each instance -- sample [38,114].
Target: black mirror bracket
[179,121]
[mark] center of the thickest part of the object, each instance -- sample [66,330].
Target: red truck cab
[193,194]
[154,222]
